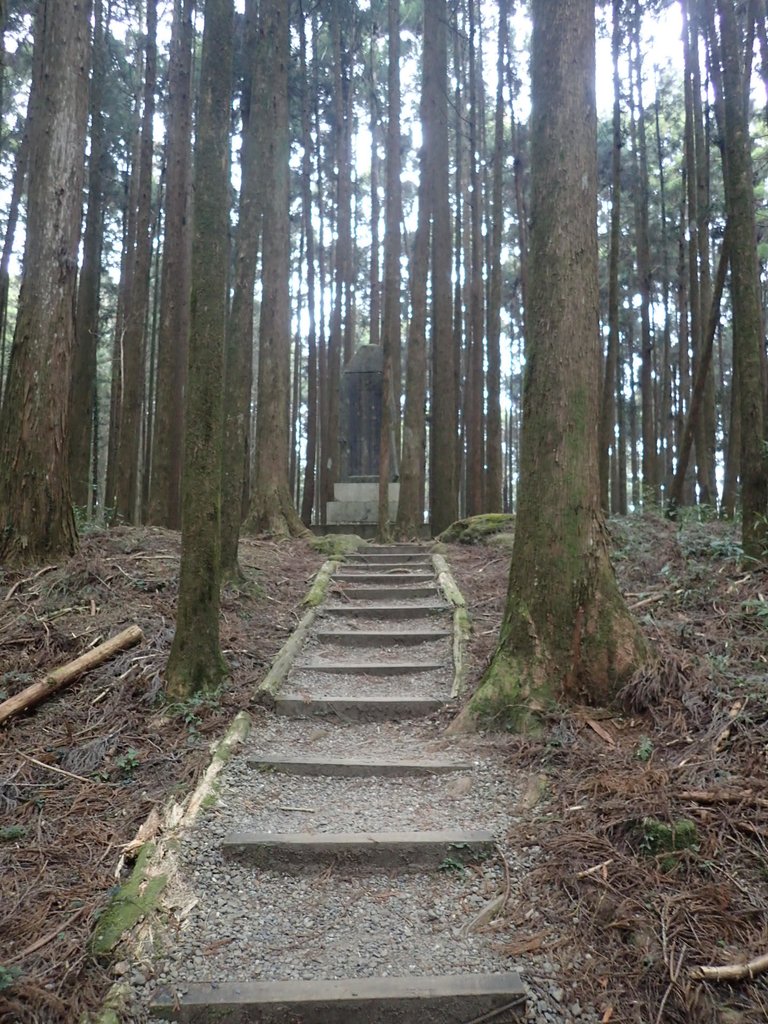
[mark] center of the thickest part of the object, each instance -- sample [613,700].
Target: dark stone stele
[362,386]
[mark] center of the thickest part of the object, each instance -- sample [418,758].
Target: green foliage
[451,864]
[128,762]
[8,976]
[644,749]
[10,833]
[189,710]
[658,839]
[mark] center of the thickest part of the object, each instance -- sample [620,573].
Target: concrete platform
[350,767]
[451,999]
[363,709]
[412,851]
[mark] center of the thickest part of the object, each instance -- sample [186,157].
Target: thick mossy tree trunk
[196,662]
[36,519]
[272,510]
[566,630]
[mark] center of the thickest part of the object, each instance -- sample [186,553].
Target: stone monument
[356,495]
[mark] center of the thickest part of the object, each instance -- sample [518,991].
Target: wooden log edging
[461,623]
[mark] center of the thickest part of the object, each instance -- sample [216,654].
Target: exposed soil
[688,744]
[79,774]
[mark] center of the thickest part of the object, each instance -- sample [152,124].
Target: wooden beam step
[352,767]
[358,709]
[384,638]
[414,851]
[371,668]
[449,999]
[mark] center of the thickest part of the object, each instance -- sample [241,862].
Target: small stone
[556,993]
[121,967]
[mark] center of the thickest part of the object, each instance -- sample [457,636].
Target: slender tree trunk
[375,199]
[134,337]
[173,337]
[577,641]
[747,321]
[19,180]
[607,441]
[390,329]
[444,410]
[272,510]
[35,498]
[196,662]
[238,357]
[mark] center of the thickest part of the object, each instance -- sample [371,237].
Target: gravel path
[236,922]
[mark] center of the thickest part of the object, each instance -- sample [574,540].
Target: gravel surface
[236,922]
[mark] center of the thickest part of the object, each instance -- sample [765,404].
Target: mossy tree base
[272,512]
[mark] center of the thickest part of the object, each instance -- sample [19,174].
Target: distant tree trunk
[134,337]
[607,440]
[443,489]
[19,179]
[83,385]
[35,498]
[390,329]
[238,360]
[577,641]
[196,662]
[375,130]
[308,491]
[272,510]
[410,513]
[648,422]
[747,321]
[474,388]
[665,422]
[493,476]
[173,337]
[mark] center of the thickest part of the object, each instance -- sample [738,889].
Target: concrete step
[450,999]
[388,593]
[414,851]
[383,638]
[354,709]
[362,576]
[386,611]
[350,767]
[371,668]
[397,558]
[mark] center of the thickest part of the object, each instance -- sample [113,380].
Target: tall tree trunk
[134,337]
[238,383]
[410,514]
[577,641]
[493,477]
[390,328]
[272,510]
[173,336]
[443,491]
[607,440]
[747,321]
[17,190]
[375,131]
[35,498]
[83,385]
[196,662]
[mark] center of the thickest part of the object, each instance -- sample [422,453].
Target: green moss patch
[476,529]
[129,905]
[336,545]
[659,839]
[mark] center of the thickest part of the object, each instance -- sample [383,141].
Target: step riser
[383,579]
[397,851]
[385,611]
[380,639]
[357,711]
[379,668]
[388,593]
[341,768]
[454,999]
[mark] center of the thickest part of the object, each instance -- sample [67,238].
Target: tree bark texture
[35,496]
[566,630]
[196,662]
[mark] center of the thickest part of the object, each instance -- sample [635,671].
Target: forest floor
[635,903]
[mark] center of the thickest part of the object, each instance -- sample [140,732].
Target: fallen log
[60,677]
[731,972]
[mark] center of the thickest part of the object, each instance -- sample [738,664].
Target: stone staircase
[379,655]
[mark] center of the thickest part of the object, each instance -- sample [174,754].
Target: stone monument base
[357,502]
